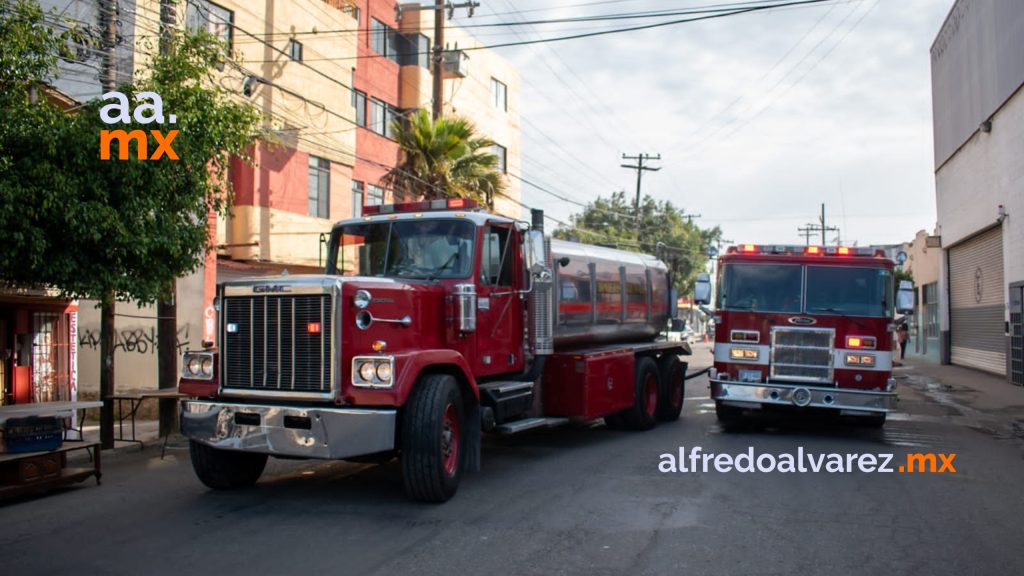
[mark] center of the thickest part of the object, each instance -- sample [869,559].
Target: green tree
[664,230]
[90,227]
[443,159]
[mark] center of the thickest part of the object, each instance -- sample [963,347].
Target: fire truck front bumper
[758,394]
[327,433]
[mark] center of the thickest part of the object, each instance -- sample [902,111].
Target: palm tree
[444,159]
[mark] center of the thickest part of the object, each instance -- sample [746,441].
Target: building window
[359,104]
[413,50]
[295,50]
[500,151]
[203,15]
[499,95]
[391,117]
[378,116]
[357,199]
[931,310]
[384,40]
[374,195]
[319,187]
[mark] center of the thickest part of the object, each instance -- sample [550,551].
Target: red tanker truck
[433,323]
[804,328]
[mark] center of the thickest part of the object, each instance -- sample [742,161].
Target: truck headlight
[744,354]
[197,365]
[860,360]
[373,371]
[367,371]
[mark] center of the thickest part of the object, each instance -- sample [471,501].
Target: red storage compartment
[589,384]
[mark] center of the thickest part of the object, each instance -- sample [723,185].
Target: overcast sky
[759,118]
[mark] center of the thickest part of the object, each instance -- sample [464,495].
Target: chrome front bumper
[754,395]
[328,433]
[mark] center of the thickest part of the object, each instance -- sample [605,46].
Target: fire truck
[433,323]
[804,328]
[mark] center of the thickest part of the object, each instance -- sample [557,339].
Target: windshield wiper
[438,270]
[839,313]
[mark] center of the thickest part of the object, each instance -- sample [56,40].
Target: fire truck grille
[278,343]
[802,355]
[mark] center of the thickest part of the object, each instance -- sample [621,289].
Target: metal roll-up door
[976,302]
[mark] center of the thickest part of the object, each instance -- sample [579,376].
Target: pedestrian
[902,335]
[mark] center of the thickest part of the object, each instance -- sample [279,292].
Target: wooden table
[30,472]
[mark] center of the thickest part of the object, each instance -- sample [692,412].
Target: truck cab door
[500,309]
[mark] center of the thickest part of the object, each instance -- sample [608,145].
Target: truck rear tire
[433,439]
[673,388]
[643,414]
[225,469]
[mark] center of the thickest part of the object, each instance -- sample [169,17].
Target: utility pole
[167,308]
[640,168]
[108,79]
[809,229]
[438,59]
[439,7]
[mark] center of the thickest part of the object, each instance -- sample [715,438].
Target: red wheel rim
[450,439]
[677,388]
[650,394]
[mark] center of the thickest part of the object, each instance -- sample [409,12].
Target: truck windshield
[761,287]
[849,291]
[428,248]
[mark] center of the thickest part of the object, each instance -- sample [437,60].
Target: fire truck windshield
[835,290]
[849,291]
[428,249]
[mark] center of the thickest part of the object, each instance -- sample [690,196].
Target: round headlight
[207,366]
[362,299]
[366,371]
[195,365]
[384,372]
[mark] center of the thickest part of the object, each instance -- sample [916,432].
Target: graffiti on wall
[133,340]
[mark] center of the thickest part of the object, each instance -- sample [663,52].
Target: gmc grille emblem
[802,320]
[263,289]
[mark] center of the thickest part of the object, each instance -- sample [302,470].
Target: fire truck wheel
[670,396]
[873,421]
[225,469]
[729,417]
[432,439]
[643,414]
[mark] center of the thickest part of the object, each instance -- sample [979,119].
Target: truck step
[518,426]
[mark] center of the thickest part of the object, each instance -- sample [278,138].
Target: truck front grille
[802,354]
[277,343]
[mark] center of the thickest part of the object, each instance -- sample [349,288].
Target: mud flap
[473,438]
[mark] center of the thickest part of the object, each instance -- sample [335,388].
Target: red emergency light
[748,248]
[313,328]
[423,206]
[813,250]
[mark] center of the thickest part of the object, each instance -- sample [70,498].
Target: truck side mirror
[905,298]
[702,289]
[536,255]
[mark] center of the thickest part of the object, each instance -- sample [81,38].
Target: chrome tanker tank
[603,295]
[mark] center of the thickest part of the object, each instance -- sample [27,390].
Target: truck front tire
[670,396]
[225,469]
[433,445]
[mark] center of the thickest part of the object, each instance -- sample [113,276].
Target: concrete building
[923,262]
[978,107]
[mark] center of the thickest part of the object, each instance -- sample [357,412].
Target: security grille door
[976,302]
[1017,335]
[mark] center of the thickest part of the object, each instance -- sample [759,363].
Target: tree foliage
[664,230]
[444,159]
[93,227]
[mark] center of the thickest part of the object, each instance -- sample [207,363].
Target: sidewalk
[972,392]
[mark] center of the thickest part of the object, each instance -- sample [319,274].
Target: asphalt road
[570,501]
